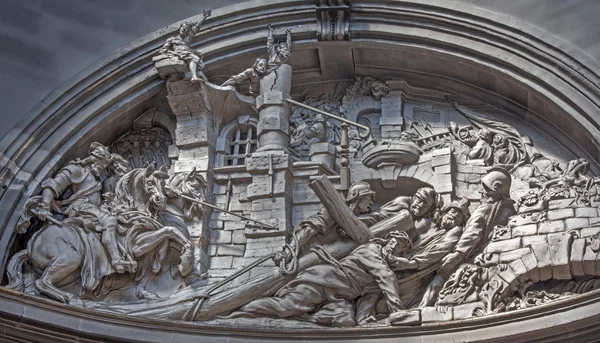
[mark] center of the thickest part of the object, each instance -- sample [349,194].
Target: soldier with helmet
[496,208]
[360,199]
[83,177]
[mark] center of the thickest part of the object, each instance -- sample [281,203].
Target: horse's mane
[122,193]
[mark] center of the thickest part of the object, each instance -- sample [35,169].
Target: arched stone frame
[243,123]
[503,62]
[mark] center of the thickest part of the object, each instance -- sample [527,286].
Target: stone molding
[555,74]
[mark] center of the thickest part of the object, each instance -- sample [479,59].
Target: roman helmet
[357,190]
[498,179]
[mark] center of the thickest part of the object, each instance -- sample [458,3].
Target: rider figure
[83,177]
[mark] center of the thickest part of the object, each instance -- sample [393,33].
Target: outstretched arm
[270,39]
[196,27]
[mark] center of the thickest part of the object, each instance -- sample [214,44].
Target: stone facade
[261,201]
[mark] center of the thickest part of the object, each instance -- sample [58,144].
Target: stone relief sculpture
[178,48]
[251,76]
[107,218]
[110,230]
[278,52]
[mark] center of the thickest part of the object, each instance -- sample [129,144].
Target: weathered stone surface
[469,310]
[551,227]
[231,250]
[512,255]
[430,314]
[225,262]
[589,212]
[589,260]
[559,247]
[525,230]
[588,232]
[576,258]
[576,223]
[544,262]
[519,269]
[531,264]
[526,241]
[562,213]
[220,237]
[504,246]
[406,317]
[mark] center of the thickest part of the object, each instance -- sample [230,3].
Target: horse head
[152,186]
[192,185]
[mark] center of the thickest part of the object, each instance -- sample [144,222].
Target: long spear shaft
[229,212]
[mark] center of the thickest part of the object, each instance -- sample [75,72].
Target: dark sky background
[43,43]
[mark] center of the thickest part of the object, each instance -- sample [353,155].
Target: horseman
[83,177]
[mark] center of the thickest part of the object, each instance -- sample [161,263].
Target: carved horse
[180,211]
[69,256]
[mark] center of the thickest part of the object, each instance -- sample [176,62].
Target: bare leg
[193,70]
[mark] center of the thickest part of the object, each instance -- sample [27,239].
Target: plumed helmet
[498,179]
[357,190]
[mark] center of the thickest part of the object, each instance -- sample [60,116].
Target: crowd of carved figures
[108,232]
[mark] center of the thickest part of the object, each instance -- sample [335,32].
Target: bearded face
[451,218]
[363,205]
[418,208]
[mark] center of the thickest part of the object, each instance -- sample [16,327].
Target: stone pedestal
[195,141]
[323,152]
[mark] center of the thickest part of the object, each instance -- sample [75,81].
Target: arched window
[237,141]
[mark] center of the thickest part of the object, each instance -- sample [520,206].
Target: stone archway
[495,60]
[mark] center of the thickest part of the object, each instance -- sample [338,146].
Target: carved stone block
[231,250]
[576,223]
[576,258]
[441,183]
[520,220]
[194,135]
[531,264]
[562,213]
[551,227]
[441,160]
[562,204]
[559,246]
[528,240]
[542,255]
[269,98]
[519,269]
[589,260]
[260,162]
[525,230]
[504,246]
[590,212]
[224,262]
[589,231]
[220,237]
[512,255]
